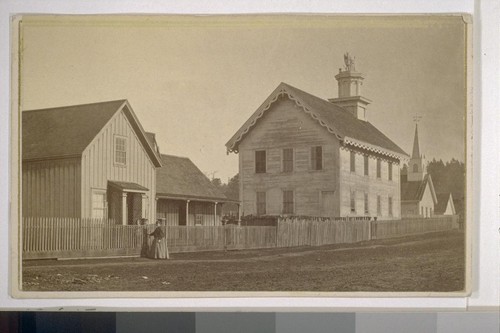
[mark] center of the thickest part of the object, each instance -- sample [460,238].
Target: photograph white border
[483,288]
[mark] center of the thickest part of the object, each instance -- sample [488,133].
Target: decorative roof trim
[375,149]
[281,92]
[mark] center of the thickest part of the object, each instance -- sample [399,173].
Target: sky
[194,81]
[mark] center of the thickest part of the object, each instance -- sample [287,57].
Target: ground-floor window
[367,210]
[261,203]
[287,202]
[99,206]
[353,202]
[390,206]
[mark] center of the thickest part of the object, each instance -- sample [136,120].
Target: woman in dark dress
[158,249]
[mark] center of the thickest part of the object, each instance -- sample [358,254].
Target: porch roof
[128,187]
[180,178]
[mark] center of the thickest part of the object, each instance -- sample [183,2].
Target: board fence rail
[44,237]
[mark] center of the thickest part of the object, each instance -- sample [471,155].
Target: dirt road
[430,262]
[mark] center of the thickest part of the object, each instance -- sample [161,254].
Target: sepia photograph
[246,155]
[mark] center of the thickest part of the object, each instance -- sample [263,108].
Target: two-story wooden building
[91,160]
[303,155]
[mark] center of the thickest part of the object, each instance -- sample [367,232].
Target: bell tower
[350,83]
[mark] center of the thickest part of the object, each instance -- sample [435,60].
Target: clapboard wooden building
[303,155]
[185,196]
[91,160]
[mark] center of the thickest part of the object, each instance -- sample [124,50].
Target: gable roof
[181,178]
[442,202]
[338,121]
[414,190]
[67,131]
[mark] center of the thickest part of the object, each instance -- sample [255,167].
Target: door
[134,207]
[328,203]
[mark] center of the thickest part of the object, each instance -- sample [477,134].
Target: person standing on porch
[158,249]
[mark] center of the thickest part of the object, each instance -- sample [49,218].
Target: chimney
[350,83]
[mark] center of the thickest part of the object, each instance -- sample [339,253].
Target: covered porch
[128,202]
[185,211]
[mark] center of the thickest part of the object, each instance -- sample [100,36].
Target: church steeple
[416,166]
[416,148]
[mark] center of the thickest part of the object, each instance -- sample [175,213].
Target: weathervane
[349,62]
[416,118]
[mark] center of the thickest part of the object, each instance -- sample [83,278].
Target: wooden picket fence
[315,233]
[77,238]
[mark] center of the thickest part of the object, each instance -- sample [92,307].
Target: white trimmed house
[303,155]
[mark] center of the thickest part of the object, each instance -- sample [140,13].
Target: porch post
[239,214]
[144,211]
[187,212]
[215,213]
[124,208]
[155,209]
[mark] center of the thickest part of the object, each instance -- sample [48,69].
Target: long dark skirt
[158,249]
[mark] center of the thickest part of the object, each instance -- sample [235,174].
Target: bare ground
[429,262]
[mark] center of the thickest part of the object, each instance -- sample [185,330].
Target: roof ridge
[170,155]
[75,105]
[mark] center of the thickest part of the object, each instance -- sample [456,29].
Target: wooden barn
[185,196]
[91,160]
[303,155]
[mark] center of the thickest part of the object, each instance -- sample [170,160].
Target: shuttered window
[379,166]
[260,161]
[390,171]
[287,202]
[261,203]
[287,160]
[120,150]
[317,158]
[366,165]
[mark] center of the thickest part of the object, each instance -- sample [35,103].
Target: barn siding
[361,184]
[51,188]
[98,164]
[287,126]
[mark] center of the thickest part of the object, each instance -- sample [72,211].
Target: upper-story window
[390,171]
[287,160]
[260,161]
[366,164]
[120,150]
[317,158]
[353,162]
[415,167]
[379,167]
[379,206]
